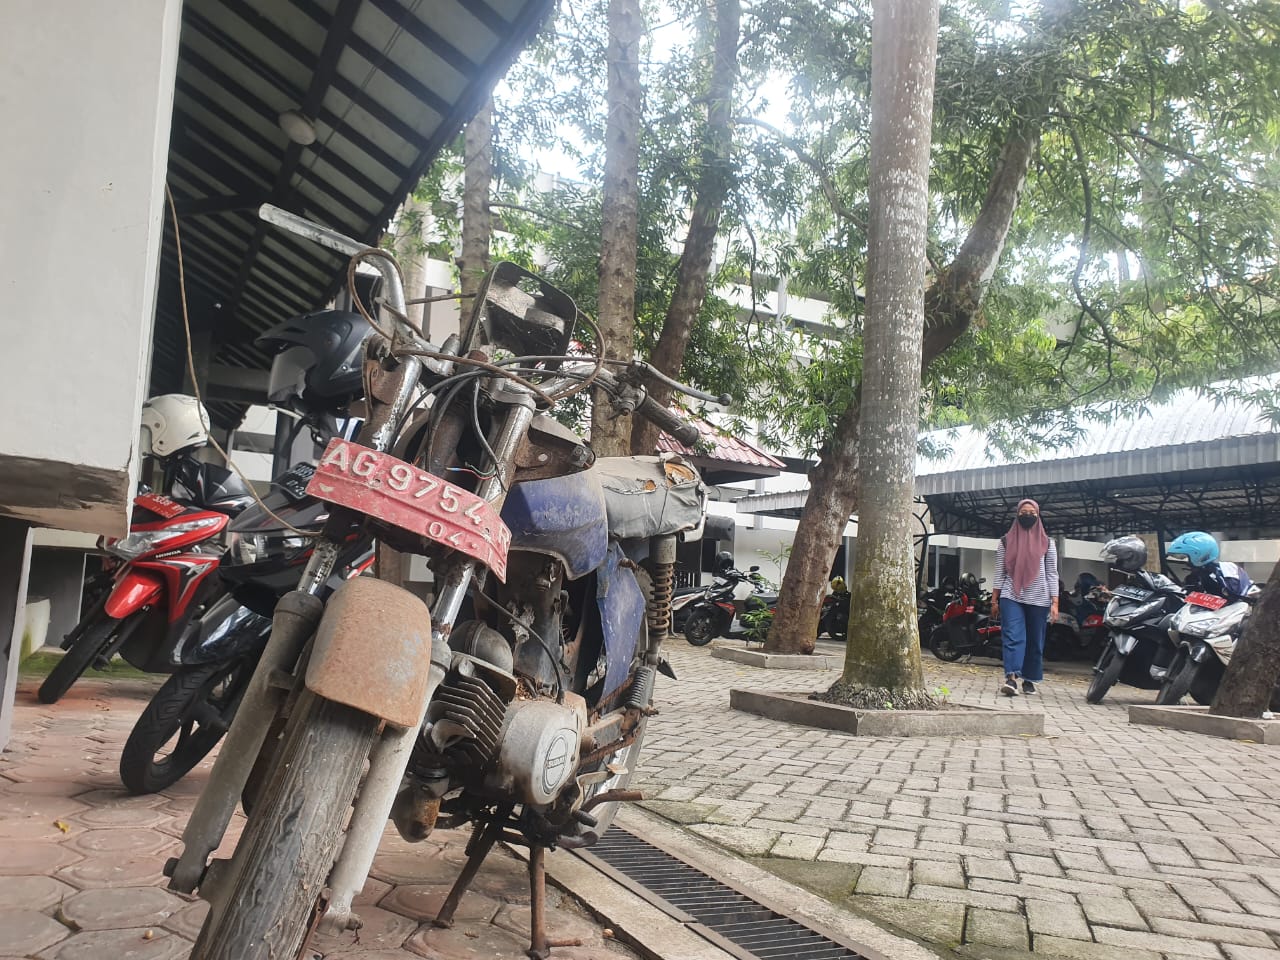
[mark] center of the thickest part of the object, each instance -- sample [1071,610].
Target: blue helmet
[1198,548]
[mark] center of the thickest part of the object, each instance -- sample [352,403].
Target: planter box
[1199,720]
[954,720]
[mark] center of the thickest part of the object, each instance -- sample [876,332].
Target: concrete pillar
[86,92]
[15,557]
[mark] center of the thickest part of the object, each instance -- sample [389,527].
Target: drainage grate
[753,927]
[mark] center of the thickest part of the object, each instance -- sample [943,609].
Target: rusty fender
[373,652]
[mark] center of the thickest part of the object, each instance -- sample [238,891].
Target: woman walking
[1025,597]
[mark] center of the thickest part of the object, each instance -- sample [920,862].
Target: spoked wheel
[289,845]
[1177,684]
[1105,674]
[77,660]
[700,628]
[942,647]
[182,723]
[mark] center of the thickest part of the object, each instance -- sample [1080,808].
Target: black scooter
[1138,649]
[214,658]
[736,606]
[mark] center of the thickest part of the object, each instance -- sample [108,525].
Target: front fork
[297,617]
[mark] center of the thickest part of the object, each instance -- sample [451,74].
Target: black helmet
[723,562]
[1126,553]
[969,586]
[317,358]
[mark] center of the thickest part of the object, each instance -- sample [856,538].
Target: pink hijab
[1024,550]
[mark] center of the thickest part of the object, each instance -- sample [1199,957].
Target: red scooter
[967,629]
[163,582]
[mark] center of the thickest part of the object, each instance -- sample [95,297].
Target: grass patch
[38,665]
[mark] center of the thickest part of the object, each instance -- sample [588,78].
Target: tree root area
[876,698]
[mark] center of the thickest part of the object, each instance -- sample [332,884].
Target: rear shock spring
[659,612]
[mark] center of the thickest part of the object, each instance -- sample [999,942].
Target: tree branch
[825,183]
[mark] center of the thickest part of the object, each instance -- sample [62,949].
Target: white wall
[86,91]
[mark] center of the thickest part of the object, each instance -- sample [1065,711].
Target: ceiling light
[297,127]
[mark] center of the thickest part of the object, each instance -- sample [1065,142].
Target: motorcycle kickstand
[478,848]
[539,945]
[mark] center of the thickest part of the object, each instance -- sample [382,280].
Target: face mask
[1028,521]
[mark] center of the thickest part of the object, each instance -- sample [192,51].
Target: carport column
[15,561]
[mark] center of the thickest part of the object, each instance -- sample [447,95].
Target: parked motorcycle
[967,628]
[518,704]
[213,659]
[834,619]
[1081,629]
[1204,631]
[163,581]
[1138,650]
[736,606]
[930,606]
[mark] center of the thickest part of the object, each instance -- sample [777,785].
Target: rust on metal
[478,848]
[373,651]
[610,796]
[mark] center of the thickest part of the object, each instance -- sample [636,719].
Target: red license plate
[160,506]
[398,493]
[1206,600]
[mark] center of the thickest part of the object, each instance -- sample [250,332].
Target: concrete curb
[778,661]
[963,720]
[1199,720]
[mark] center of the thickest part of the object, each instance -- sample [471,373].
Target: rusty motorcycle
[518,702]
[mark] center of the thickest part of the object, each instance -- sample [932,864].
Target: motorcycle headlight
[248,548]
[143,542]
[1201,628]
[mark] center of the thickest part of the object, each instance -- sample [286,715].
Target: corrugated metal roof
[386,83]
[1189,431]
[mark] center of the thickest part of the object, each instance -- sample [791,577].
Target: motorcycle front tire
[1105,674]
[78,658]
[141,771]
[289,844]
[700,628]
[1177,684]
[941,645]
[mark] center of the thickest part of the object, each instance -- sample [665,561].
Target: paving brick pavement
[80,860]
[1099,841]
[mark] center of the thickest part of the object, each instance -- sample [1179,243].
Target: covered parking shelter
[1199,461]
[331,109]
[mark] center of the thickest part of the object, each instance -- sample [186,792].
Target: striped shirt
[1041,591]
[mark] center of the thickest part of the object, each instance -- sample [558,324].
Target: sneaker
[1010,686]
[1028,686]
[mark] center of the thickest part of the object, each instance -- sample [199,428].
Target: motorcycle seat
[652,496]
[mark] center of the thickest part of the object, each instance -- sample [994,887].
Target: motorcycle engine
[485,733]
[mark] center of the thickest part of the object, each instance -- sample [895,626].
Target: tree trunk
[952,301]
[611,434]
[1255,666]
[477,222]
[699,245]
[883,653]
[833,494]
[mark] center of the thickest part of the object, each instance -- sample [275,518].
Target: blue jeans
[1022,627]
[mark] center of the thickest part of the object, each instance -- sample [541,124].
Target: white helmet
[172,422]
